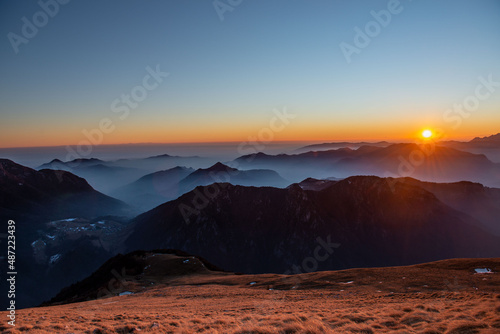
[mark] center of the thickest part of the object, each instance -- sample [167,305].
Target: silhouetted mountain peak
[12,173]
[489,139]
[160,156]
[49,193]
[255,155]
[345,149]
[219,167]
[310,179]
[54,164]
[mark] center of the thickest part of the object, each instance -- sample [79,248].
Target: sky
[113,72]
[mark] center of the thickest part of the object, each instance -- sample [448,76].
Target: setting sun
[427,133]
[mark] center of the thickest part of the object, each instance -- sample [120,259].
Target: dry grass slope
[446,298]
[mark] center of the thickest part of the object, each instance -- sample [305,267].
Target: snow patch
[54,258]
[483,271]
[125,293]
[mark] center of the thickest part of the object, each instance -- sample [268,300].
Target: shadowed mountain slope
[51,194]
[358,222]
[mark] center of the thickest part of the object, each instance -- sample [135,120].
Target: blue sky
[226,76]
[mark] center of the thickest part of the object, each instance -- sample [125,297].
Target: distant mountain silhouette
[107,176]
[438,164]
[153,189]
[360,222]
[493,140]
[71,164]
[157,188]
[297,167]
[335,145]
[168,156]
[102,175]
[222,173]
[161,156]
[489,146]
[425,162]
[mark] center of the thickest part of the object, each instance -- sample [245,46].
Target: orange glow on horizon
[225,133]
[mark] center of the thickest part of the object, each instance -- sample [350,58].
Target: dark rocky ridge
[133,271]
[376,221]
[51,194]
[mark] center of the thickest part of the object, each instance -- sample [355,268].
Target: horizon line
[319,141]
[326,141]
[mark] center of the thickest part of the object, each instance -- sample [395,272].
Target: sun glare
[427,133]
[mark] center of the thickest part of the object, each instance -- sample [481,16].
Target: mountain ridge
[51,193]
[377,222]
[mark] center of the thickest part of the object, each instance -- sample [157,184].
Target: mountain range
[244,219]
[107,176]
[336,145]
[156,188]
[361,221]
[426,162]
[489,142]
[492,141]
